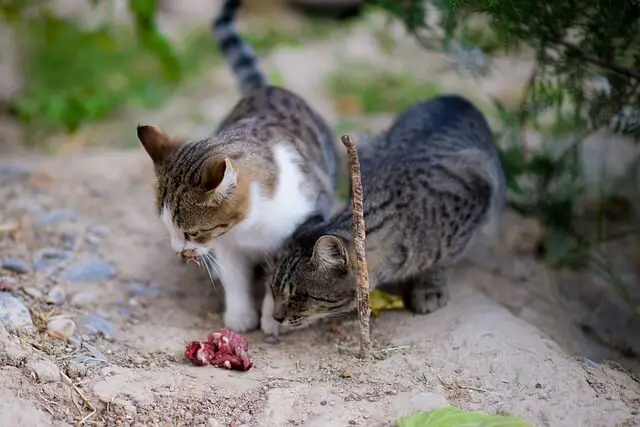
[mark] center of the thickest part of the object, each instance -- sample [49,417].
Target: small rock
[126,405]
[84,298]
[91,324]
[100,230]
[68,239]
[56,296]
[56,216]
[96,354]
[93,239]
[34,293]
[61,327]
[45,370]
[151,290]
[13,173]
[90,271]
[11,352]
[16,266]
[50,257]
[8,284]
[14,315]
[75,341]
[76,369]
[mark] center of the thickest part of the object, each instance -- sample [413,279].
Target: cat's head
[199,196]
[312,278]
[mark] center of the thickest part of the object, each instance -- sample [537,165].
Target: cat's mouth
[190,255]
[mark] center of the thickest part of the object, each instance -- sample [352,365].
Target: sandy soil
[473,354]
[482,351]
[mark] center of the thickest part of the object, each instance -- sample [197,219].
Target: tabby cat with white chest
[236,195]
[430,183]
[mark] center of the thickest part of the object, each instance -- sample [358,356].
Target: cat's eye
[192,234]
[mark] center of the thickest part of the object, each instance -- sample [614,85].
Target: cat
[235,196]
[430,182]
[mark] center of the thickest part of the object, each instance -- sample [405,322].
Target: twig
[362,277]
[629,73]
[456,386]
[84,398]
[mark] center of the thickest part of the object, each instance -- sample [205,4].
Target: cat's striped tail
[236,51]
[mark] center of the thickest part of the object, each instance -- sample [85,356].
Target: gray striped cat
[243,190]
[430,183]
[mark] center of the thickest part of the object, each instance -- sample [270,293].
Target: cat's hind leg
[427,292]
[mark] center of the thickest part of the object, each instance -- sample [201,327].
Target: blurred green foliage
[378,91]
[75,75]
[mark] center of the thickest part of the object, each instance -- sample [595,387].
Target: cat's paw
[269,325]
[241,320]
[427,300]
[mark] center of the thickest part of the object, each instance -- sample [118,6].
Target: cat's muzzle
[191,255]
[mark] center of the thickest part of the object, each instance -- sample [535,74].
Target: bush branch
[362,278]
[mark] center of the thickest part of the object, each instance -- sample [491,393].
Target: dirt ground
[88,256]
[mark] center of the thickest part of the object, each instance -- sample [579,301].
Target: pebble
[61,327]
[93,324]
[90,271]
[75,341]
[56,296]
[50,257]
[56,216]
[68,239]
[45,370]
[76,369]
[34,293]
[8,284]
[84,298]
[152,290]
[16,266]
[13,173]
[14,315]
[93,239]
[100,230]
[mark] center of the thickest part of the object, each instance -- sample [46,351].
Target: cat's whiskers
[209,263]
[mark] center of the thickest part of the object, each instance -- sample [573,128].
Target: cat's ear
[330,252]
[156,143]
[219,179]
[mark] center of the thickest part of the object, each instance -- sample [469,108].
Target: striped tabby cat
[242,191]
[430,182]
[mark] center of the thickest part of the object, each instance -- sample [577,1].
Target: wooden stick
[359,243]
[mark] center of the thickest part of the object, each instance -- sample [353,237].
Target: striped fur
[430,183]
[237,52]
[242,191]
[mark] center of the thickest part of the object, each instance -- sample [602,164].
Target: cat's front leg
[236,274]
[268,324]
[428,292]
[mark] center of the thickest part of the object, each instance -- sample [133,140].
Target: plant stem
[362,277]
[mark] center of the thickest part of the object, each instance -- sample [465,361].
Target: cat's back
[273,110]
[444,124]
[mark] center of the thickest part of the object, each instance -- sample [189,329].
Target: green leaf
[454,417]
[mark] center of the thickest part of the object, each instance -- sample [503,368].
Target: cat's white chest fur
[271,220]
